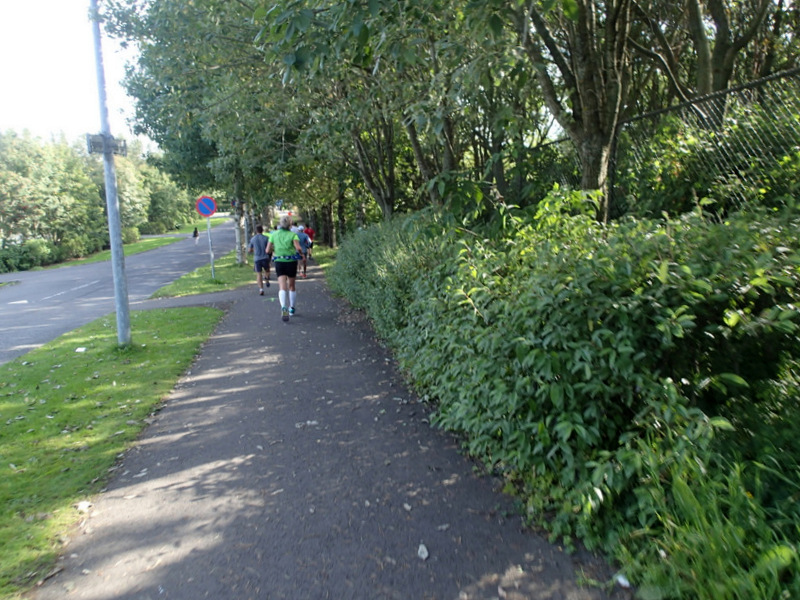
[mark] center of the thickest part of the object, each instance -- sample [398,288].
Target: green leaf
[663,272]
[776,559]
[496,25]
[363,36]
[303,20]
[733,379]
[721,423]
[570,8]
[763,283]
[731,318]
[557,395]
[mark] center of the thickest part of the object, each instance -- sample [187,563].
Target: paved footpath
[292,463]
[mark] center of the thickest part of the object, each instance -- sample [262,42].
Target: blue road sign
[206,206]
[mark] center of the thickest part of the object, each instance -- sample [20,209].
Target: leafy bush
[11,256]
[30,254]
[589,364]
[74,245]
[154,228]
[714,541]
[130,235]
[378,269]
[38,253]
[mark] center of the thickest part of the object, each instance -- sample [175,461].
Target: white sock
[292,298]
[282,297]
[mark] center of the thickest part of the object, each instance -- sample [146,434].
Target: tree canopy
[408,103]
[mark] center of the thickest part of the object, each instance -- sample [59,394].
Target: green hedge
[613,374]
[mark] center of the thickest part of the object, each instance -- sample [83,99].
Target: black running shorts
[288,268]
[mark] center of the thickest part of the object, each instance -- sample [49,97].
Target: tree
[775,47]
[193,58]
[717,30]
[46,192]
[581,58]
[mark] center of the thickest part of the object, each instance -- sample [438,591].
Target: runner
[258,247]
[305,244]
[309,231]
[285,246]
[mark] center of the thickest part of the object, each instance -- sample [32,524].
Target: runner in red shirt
[310,233]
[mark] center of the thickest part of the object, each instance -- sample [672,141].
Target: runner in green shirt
[284,245]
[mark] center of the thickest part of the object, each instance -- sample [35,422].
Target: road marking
[72,289]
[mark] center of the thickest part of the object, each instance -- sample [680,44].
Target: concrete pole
[112,201]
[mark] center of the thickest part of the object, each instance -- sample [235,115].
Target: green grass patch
[65,416]
[128,249]
[143,245]
[324,256]
[227,275]
[217,219]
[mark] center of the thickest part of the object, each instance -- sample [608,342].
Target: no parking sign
[207,206]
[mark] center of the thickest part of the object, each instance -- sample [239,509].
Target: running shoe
[291,311]
[284,313]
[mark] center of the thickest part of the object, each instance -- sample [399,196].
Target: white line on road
[72,289]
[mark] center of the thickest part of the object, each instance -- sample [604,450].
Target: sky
[48,75]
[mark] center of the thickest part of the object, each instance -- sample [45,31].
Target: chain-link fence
[723,150]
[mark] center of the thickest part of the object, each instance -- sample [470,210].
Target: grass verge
[217,219]
[324,257]
[227,275]
[143,245]
[67,411]
[128,249]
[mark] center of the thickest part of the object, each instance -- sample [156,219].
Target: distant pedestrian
[285,246]
[261,257]
[309,231]
[196,236]
[305,244]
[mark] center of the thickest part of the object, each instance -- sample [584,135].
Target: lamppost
[109,146]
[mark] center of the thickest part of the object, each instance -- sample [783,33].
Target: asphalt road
[42,305]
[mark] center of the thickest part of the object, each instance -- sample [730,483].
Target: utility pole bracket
[96,144]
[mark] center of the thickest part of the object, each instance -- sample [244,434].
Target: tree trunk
[594,155]
[594,77]
[498,164]
[328,225]
[340,213]
[376,167]
[422,162]
[238,212]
